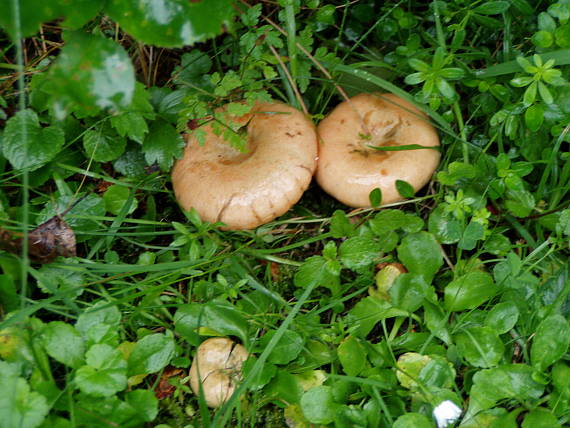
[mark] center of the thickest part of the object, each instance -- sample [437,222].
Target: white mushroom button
[246,190]
[350,168]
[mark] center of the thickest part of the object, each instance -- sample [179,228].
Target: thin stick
[290,79]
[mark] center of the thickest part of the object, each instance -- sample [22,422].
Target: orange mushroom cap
[349,169]
[246,190]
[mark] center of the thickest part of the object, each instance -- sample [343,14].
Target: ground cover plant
[447,309]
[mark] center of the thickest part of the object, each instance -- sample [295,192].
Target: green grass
[107,337]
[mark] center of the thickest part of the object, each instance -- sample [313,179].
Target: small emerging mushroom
[247,189]
[217,366]
[350,167]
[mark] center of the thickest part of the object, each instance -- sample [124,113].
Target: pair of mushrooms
[246,190]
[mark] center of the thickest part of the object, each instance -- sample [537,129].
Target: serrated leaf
[130,124]
[171,23]
[162,145]
[100,324]
[63,343]
[26,144]
[19,406]
[102,144]
[315,272]
[359,252]
[151,354]
[90,74]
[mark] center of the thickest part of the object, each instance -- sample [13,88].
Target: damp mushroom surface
[216,369]
[350,166]
[245,189]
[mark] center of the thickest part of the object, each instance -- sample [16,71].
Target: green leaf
[480,346]
[492,7]
[103,144]
[91,205]
[130,124]
[116,196]
[100,323]
[222,318]
[144,402]
[19,406]
[550,342]
[151,354]
[162,145]
[352,356]
[63,343]
[318,405]
[545,93]
[390,219]
[540,418]
[408,291]
[405,189]
[562,36]
[415,78]
[520,202]
[287,349]
[105,372]
[368,312]
[171,23]
[316,271]
[90,74]
[502,317]
[530,94]
[341,226]
[421,254]
[444,225]
[413,420]
[26,144]
[473,232]
[359,252]
[419,65]
[469,291]
[445,88]
[509,381]
[375,197]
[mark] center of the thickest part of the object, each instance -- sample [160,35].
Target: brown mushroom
[217,366]
[350,168]
[247,189]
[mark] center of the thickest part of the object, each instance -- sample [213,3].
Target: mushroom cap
[246,190]
[217,365]
[349,170]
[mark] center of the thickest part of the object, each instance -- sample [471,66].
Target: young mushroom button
[350,168]
[247,189]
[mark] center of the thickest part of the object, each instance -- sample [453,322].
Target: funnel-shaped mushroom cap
[245,190]
[349,169]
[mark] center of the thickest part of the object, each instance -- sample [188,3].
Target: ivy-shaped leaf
[26,144]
